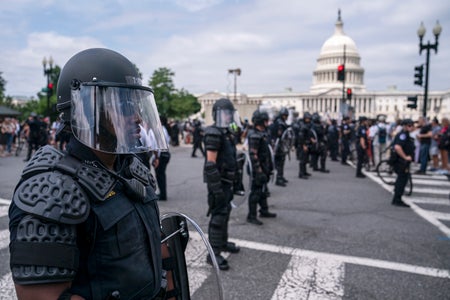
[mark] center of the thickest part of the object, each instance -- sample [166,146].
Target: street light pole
[236,72]
[47,72]
[421,33]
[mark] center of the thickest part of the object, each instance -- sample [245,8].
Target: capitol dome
[332,54]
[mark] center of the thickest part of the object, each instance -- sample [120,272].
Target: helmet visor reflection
[116,118]
[225,117]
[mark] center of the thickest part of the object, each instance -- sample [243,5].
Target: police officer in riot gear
[219,174]
[361,146]
[319,150]
[304,142]
[261,166]
[84,223]
[280,156]
[403,151]
[346,136]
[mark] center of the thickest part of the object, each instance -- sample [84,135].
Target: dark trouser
[345,150]
[160,173]
[280,159]
[302,161]
[423,156]
[218,224]
[401,181]
[361,157]
[257,196]
[317,157]
[33,144]
[333,148]
[198,145]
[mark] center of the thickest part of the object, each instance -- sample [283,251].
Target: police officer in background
[304,142]
[319,149]
[219,174]
[346,135]
[280,127]
[361,144]
[403,151]
[84,223]
[261,162]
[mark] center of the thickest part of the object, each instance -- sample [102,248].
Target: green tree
[171,102]
[2,89]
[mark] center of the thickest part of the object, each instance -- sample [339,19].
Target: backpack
[382,134]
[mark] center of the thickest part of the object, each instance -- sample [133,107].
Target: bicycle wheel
[409,186]
[386,172]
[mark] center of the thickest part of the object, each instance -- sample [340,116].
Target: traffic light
[418,75]
[341,73]
[50,89]
[412,102]
[349,94]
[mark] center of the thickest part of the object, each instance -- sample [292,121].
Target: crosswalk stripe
[7,291]
[435,201]
[4,238]
[4,211]
[311,278]
[370,262]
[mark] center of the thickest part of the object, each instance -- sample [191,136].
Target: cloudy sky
[274,42]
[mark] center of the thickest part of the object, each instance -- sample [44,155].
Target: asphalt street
[335,236]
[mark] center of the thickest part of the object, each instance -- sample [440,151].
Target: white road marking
[369,262]
[4,211]
[410,200]
[4,238]
[4,201]
[7,291]
[311,278]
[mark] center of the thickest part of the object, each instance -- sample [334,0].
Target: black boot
[254,220]
[231,247]
[267,214]
[280,182]
[221,262]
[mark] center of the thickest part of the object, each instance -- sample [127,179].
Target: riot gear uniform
[346,134]
[319,150]
[280,156]
[219,175]
[361,146]
[84,216]
[304,144]
[261,166]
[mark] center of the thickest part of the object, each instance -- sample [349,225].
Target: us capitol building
[326,93]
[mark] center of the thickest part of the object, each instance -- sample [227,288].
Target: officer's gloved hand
[260,179]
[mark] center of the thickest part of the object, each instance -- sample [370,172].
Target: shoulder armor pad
[212,130]
[45,158]
[53,196]
[97,181]
[213,138]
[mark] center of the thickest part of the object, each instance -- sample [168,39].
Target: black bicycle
[386,173]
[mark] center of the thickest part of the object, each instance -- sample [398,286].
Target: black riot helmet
[315,117]
[103,103]
[284,112]
[259,118]
[307,116]
[224,114]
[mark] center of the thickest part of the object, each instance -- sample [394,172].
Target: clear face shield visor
[228,118]
[116,118]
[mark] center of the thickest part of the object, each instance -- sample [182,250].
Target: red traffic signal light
[349,94]
[50,88]
[341,73]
